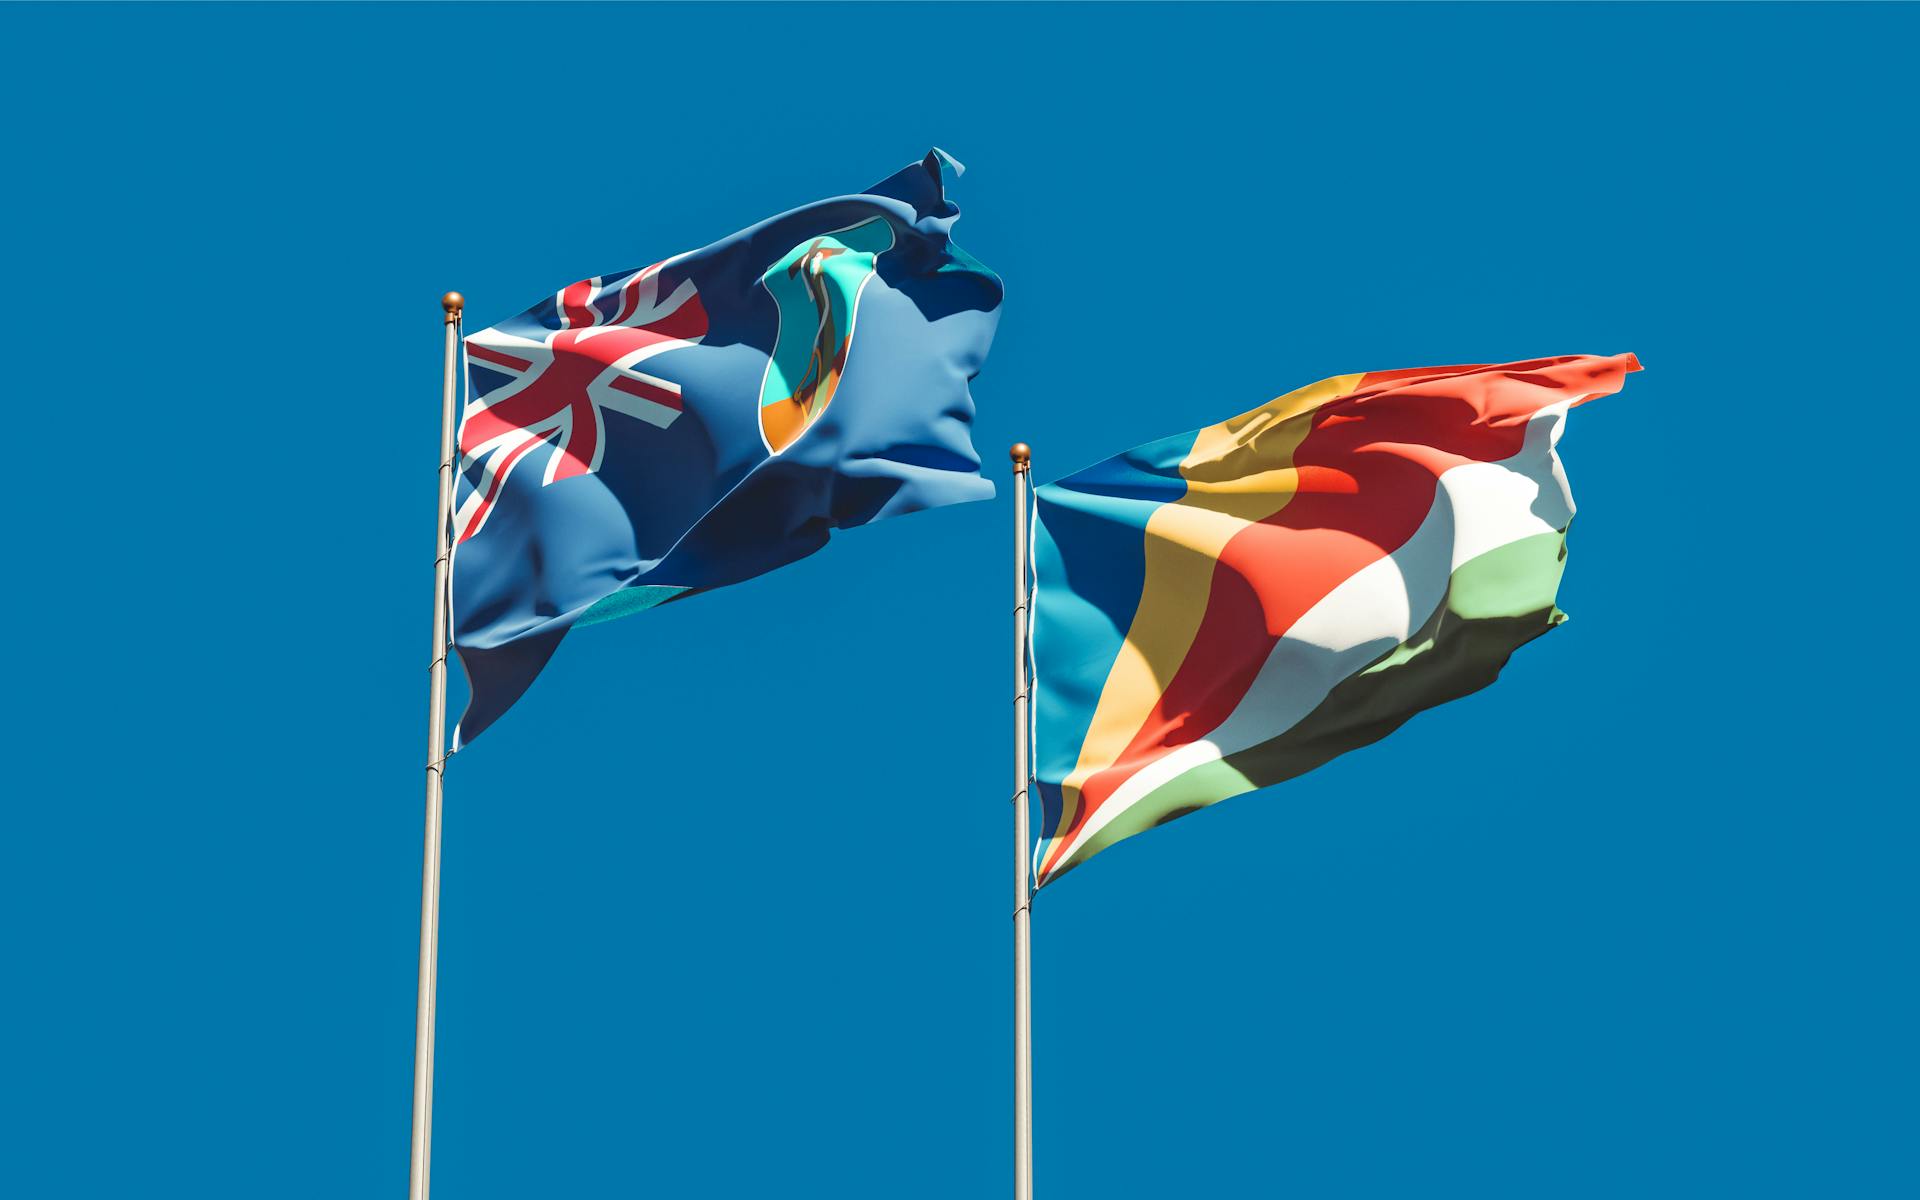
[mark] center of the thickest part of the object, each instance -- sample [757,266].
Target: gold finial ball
[453,302]
[1020,453]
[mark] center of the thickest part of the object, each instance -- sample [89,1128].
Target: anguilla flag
[639,437]
[1232,607]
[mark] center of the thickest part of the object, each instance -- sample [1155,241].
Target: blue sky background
[726,914]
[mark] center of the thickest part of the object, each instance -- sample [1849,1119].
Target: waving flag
[642,436]
[1230,608]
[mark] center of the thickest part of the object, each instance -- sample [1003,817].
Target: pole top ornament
[453,302]
[1021,454]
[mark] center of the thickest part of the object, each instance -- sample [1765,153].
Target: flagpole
[1022,893]
[452,302]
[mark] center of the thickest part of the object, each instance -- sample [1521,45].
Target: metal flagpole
[1022,891]
[452,302]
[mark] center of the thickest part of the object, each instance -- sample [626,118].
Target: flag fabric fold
[642,436]
[1229,608]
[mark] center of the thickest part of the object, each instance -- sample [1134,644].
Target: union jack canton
[554,390]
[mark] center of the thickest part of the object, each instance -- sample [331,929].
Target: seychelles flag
[642,436]
[1229,608]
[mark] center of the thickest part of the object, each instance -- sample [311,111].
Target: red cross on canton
[559,386]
